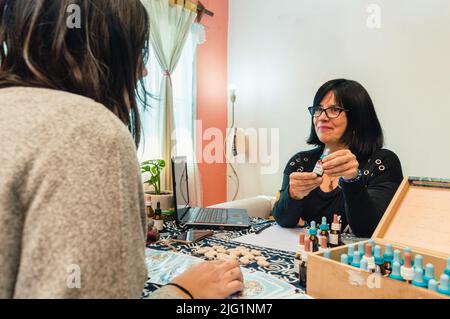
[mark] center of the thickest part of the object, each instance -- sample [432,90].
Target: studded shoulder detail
[374,166]
[301,162]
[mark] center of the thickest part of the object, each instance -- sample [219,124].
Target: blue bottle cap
[344,259]
[363,264]
[361,249]
[377,254]
[432,285]
[418,261]
[429,272]
[372,243]
[356,259]
[351,249]
[377,251]
[313,229]
[327,254]
[447,269]
[397,256]
[418,278]
[388,255]
[350,252]
[324,225]
[395,274]
[408,250]
[444,287]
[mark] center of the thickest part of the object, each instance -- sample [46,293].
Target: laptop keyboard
[211,215]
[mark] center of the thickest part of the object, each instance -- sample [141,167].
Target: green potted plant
[151,175]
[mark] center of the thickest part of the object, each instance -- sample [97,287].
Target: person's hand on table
[341,163]
[301,184]
[212,280]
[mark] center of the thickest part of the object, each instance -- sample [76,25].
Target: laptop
[213,218]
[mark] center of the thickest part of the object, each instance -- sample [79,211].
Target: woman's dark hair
[102,58]
[363,134]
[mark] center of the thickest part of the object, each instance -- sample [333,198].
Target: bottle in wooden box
[424,200]
[324,231]
[313,237]
[335,239]
[388,256]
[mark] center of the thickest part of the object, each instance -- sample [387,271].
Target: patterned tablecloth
[281,262]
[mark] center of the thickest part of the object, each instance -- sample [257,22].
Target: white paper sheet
[275,237]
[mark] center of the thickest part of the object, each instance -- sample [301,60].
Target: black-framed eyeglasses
[331,112]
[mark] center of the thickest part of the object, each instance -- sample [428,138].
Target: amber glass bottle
[304,264]
[313,237]
[335,234]
[158,219]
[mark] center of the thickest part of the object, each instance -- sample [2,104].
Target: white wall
[281,52]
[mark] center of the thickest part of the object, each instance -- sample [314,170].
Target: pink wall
[212,95]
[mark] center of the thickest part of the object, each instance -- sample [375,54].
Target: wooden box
[417,217]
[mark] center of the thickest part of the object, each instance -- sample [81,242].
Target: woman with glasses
[359,178]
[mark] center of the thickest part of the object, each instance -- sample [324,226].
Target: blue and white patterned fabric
[281,262]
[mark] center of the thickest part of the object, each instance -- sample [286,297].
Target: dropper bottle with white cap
[318,169]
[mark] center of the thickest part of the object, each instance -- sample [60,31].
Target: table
[281,262]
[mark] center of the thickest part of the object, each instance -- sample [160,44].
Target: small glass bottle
[371,266]
[407,270]
[324,230]
[304,264]
[301,241]
[323,243]
[158,219]
[379,261]
[447,268]
[388,257]
[313,237]
[335,234]
[318,169]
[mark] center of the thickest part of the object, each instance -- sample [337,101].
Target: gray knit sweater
[72,217]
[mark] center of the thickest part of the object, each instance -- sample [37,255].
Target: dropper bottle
[318,169]
[324,230]
[313,237]
[304,264]
[388,257]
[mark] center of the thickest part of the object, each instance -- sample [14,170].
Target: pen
[262,228]
[263,223]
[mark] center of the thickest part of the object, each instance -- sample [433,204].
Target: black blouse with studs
[361,204]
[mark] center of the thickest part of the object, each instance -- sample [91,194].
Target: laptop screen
[180,185]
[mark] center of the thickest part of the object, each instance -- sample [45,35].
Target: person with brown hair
[72,208]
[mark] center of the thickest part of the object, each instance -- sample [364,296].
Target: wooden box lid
[418,217]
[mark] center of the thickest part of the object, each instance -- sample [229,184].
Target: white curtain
[184,103]
[170,24]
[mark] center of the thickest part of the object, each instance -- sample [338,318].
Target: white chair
[259,206]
